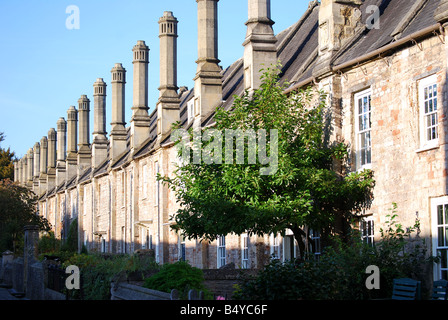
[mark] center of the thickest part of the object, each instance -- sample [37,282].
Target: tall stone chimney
[72,142]
[118,134]
[99,145]
[338,23]
[260,51]
[140,118]
[29,167]
[43,165]
[16,171]
[84,152]
[36,169]
[208,79]
[169,102]
[61,151]
[22,171]
[51,168]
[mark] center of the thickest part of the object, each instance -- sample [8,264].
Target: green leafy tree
[17,209]
[6,161]
[311,185]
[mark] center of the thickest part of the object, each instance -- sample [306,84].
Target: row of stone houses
[383,64]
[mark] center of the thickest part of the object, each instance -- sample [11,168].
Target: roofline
[424,32]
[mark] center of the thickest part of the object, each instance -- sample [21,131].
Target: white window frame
[190,110]
[146,238]
[440,244]
[427,82]
[103,244]
[245,251]
[274,241]
[288,240]
[359,133]
[315,238]
[367,230]
[221,247]
[182,249]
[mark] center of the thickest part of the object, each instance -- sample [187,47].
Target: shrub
[340,272]
[180,276]
[98,271]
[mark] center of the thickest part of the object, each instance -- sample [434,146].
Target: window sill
[366,167]
[427,148]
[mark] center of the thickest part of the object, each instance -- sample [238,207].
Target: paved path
[5,295]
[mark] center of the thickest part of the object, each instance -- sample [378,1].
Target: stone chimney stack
[118,134]
[36,169]
[24,170]
[99,145]
[51,168]
[338,23]
[43,165]
[208,79]
[16,171]
[19,171]
[84,152]
[72,142]
[61,151]
[140,118]
[29,167]
[260,51]
[169,102]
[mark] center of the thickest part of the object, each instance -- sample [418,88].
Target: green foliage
[71,244]
[6,161]
[98,271]
[307,189]
[340,272]
[180,276]
[6,164]
[48,244]
[17,210]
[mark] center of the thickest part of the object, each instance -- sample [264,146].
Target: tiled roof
[393,12]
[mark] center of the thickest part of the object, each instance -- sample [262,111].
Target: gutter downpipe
[377,52]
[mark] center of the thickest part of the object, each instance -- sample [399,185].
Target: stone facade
[376,80]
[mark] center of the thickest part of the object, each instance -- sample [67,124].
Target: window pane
[363,129]
[369,156]
[441,241]
[445,214]
[446,234]
[443,258]
[439,214]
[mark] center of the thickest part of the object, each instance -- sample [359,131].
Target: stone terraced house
[384,65]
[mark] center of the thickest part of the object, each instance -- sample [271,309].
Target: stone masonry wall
[403,173]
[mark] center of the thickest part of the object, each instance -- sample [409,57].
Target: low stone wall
[127,291]
[35,286]
[221,282]
[17,275]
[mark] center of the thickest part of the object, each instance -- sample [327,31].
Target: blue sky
[46,67]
